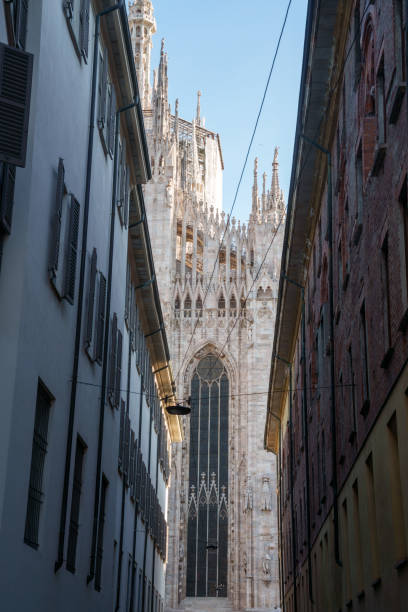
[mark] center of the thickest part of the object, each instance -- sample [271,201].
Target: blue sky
[224,48]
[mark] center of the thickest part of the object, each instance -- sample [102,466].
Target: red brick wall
[360,270]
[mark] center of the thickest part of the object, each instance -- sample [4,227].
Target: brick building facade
[341,341]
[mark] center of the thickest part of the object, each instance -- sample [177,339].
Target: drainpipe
[291,462]
[279,481]
[132,587]
[64,505]
[305,433]
[122,511]
[332,363]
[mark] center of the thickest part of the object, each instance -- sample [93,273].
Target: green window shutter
[16,68]
[112,361]
[138,473]
[127,314]
[121,433]
[112,122]
[72,250]
[91,301]
[103,84]
[126,450]
[84,29]
[8,177]
[100,324]
[118,367]
[121,183]
[126,196]
[59,195]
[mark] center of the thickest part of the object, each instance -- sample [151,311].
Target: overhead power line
[240,179]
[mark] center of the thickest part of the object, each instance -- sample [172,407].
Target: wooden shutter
[16,67]
[91,301]
[100,324]
[122,174]
[103,83]
[59,195]
[118,367]
[126,196]
[121,434]
[8,174]
[138,473]
[127,295]
[132,463]
[126,449]
[112,361]
[112,123]
[72,249]
[84,29]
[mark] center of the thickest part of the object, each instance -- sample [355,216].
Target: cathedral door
[207,536]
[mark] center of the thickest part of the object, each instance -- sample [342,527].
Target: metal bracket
[293,282]
[160,369]
[141,220]
[147,283]
[156,331]
[288,363]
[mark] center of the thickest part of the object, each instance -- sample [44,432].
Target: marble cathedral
[223,536]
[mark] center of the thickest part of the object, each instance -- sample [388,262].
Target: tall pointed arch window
[207,534]
[233,302]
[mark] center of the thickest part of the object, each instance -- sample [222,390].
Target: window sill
[403,326]
[396,102]
[387,358]
[365,408]
[379,156]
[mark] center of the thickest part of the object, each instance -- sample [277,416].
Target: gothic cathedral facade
[218,283]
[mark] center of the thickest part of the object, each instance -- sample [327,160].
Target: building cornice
[325,37]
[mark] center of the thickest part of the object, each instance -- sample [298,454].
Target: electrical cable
[332,90]
[240,180]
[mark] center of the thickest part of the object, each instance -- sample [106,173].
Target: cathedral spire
[142,25]
[264,197]
[275,190]
[176,119]
[161,114]
[198,119]
[162,81]
[255,206]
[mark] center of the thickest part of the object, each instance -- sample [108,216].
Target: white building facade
[218,281]
[84,440]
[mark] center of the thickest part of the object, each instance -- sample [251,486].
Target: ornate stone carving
[266,494]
